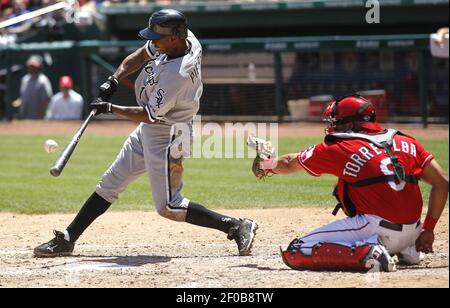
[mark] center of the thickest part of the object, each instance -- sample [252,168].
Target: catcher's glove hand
[263,148]
[257,170]
[264,151]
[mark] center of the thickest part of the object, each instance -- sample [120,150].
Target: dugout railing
[265,79]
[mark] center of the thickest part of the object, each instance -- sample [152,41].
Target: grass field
[27,187]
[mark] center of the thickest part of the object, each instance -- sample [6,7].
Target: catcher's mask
[164,23]
[351,109]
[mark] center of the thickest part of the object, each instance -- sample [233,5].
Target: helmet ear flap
[180,31]
[176,30]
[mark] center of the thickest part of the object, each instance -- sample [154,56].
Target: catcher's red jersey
[353,160]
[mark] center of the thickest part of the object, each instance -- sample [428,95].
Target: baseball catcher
[378,174]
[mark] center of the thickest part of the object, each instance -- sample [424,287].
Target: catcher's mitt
[257,170]
[264,150]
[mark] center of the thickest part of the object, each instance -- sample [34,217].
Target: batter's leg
[166,179]
[128,165]
[165,176]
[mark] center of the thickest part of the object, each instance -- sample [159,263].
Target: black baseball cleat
[244,234]
[57,247]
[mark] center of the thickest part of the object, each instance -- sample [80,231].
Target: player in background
[168,92]
[378,172]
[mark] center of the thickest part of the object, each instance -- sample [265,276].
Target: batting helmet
[352,109]
[163,23]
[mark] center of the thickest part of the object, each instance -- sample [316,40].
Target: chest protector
[383,141]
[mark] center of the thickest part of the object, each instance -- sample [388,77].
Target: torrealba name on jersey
[356,161]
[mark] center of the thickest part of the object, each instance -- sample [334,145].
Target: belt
[391,226]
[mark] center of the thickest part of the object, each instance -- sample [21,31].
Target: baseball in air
[50,146]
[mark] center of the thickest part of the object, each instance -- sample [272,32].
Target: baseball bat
[64,157]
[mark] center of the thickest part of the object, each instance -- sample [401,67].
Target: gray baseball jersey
[170,91]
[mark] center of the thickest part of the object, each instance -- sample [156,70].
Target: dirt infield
[123,128]
[141,249]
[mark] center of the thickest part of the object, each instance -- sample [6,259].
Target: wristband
[114,79]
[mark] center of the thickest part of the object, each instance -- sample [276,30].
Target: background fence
[271,79]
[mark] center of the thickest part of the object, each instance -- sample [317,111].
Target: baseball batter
[378,189]
[168,91]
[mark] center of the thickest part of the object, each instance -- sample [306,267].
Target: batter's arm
[136,114]
[132,63]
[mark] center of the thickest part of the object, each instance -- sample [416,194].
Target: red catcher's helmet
[351,109]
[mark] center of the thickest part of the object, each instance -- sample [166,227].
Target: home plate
[94,267]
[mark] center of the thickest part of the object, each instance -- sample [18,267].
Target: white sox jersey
[170,89]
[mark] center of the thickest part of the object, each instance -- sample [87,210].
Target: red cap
[66,82]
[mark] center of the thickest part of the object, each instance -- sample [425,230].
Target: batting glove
[102,107]
[108,88]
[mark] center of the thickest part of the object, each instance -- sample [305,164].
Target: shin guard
[330,256]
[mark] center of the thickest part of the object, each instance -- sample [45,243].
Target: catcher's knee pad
[331,256]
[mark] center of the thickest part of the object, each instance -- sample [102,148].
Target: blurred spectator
[2,96]
[439,44]
[3,4]
[35,90]
[35,4]
[13,71]
[294,89]
[5,37]
[441,36]
[237,105]
[19,7]
[410,102]
[67,104]
[391,99]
